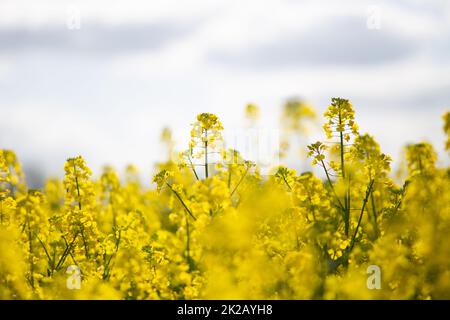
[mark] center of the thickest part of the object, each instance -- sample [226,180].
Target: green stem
[347,194]
[239,183]
[78,186]
[45,250]
[347,206]
[366,199]
[181,200]
[108,267]
[188,241]
[65,253]
[206,154]
[287,183]
[86,250]
[341,141]
[192,167]
[399,202]
[374,214]
[30,248]
[70,253]
[332,187]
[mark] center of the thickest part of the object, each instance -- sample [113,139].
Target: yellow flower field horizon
[212,226]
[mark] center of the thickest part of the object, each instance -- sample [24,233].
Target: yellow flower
[233,233]
[340,116]
[161,178]
[252,111]
[446,128]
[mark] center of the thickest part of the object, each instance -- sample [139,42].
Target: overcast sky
[102,78]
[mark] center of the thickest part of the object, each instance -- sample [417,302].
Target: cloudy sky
[101,78]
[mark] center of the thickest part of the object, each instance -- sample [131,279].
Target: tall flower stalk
[340,125]
[206,134]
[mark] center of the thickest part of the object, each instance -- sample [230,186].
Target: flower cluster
[227,232]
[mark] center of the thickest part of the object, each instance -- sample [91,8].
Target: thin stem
[239,183]
[45,249]
[78,186]
[193,167]
[331,185]
[341,142]
[399,203]
[70,253]
[347,194]
[374,214]
[108,267]
[53,260]
[188,241]
[366,199]
[30,248]
[66,252]
[347,206]
[297,240]
[86,250]
[206,153]
[181,200]
[287,183]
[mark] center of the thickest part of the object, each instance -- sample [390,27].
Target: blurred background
[102,78]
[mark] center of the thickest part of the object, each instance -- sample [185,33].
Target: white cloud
[111,107]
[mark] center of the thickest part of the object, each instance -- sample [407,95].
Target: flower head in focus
[340,117]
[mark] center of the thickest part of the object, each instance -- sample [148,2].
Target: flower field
[212,226]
